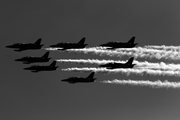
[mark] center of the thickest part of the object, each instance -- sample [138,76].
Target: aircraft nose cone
[8,46]
[102,45]
[26,68]
[17,60]
[52,46]
[102,65]
[64,80]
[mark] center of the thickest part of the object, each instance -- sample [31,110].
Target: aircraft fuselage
[69,45]
[22,47]
[78,80]
[118,45]
[117,65]
[40,68]
[27,60]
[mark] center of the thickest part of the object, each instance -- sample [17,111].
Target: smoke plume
[153,84]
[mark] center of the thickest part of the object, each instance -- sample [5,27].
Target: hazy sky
[42,96]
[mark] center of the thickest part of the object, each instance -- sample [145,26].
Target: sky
[42,96]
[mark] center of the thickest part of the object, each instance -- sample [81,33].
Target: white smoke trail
[153,84]
[127,71]
[147,48]
[141,53]
[146,64]
[88,61]
[163,47]
[140,49]
[53,49]
[135,52]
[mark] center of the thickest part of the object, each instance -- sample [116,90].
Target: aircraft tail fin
[53,64]
[38,42]
[45,55]
[130,61]
[131,41]
[91,75]
[81,42]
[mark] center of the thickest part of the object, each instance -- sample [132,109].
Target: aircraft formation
[19,47]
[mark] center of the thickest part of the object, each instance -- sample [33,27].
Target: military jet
[74,80]
[29,59]
[115,65]
[38,68]
[114,45]
[67,45]
[26,46]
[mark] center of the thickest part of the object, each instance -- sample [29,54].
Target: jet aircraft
[38,68]
[26,46]
[115,65]
[74,80]
[67,45]
[114,45]
[29,59]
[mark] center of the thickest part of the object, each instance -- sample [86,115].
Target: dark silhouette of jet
[74,80]
[114,45]
[38,68]
[29,59]
[67,45]
[115,65]
[26,46]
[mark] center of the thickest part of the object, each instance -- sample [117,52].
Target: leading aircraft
[29,59]
[115,65]
[114,45]
[74,80]
[38,68]
[26,46]
[67,45]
